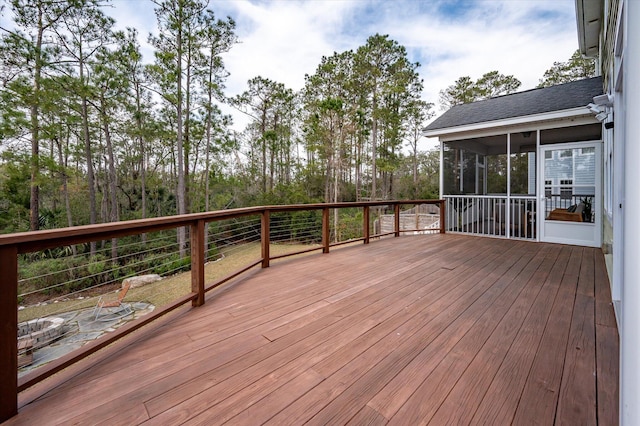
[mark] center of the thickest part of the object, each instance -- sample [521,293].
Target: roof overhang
[589,20]
[529,121]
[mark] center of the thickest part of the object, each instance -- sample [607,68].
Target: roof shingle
[530,102]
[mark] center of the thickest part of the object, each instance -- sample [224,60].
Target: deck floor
[442,329]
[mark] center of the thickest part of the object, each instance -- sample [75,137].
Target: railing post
[443,215]
[8,332]
[365,224]
[264,238]
[325,230]
[197,262]
[396,222]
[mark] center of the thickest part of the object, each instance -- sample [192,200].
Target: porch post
[507,210]
[264,238]
[198,257]
[8,332]
[396,220]
[326,230]
[441,170]
[630,333]
[365,225]
[539,191]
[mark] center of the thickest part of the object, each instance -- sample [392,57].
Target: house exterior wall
[607,43]
[532,173]
[582,169]
[630,331]
[619,60]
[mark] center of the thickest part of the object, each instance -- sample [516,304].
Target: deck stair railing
[319,226]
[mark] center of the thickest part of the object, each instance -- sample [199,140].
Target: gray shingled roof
[536,101]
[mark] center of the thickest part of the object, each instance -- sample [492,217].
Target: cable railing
[239,239]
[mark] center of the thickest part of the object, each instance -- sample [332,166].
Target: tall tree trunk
[336,168]
[374,143]
[112,180]
[34,202]
[263,130]
[358,169]
[180,193]
[88,153]
[207,164]
[415,170]
[273,151]
[65,187]
[187,120]
[143,162]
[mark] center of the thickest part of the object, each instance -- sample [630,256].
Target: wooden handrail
[27,242]
[11,245]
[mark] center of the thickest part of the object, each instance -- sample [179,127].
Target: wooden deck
[441,329]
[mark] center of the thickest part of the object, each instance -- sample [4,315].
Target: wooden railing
[13,245]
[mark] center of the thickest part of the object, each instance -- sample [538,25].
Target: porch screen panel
[451,170]
[523,163]
[496,174]
[463,171]
[469,172]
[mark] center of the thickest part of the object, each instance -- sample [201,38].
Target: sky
[285,39]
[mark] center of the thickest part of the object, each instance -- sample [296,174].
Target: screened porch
[504,185]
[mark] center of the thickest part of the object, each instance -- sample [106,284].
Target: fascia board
[580,25]
[580,21]
[589,23]
[510,122]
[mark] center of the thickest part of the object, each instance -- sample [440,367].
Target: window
[590,150]
[566,188]
[565,153]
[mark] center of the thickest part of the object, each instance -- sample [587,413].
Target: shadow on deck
[441,329]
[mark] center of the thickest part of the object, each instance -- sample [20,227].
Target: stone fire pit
[35,334]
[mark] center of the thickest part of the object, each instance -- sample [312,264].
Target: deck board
[464,399]
[503,395]
[440,329]
[401,385]
[540,394]
[420,406]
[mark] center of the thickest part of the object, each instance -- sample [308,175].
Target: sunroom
[525,165]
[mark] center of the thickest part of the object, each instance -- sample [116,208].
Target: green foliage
[576,68]
[304,227]
[96,264]
[349,225]
[58,271]
[14,187]
[62,275]
[85,140]
[465,90]
[173,265]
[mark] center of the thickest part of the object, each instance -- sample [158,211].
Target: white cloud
[283,40]
[135,14]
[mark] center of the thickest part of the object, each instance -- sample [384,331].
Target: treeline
[90,133]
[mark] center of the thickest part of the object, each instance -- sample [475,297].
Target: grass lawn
[170,288]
